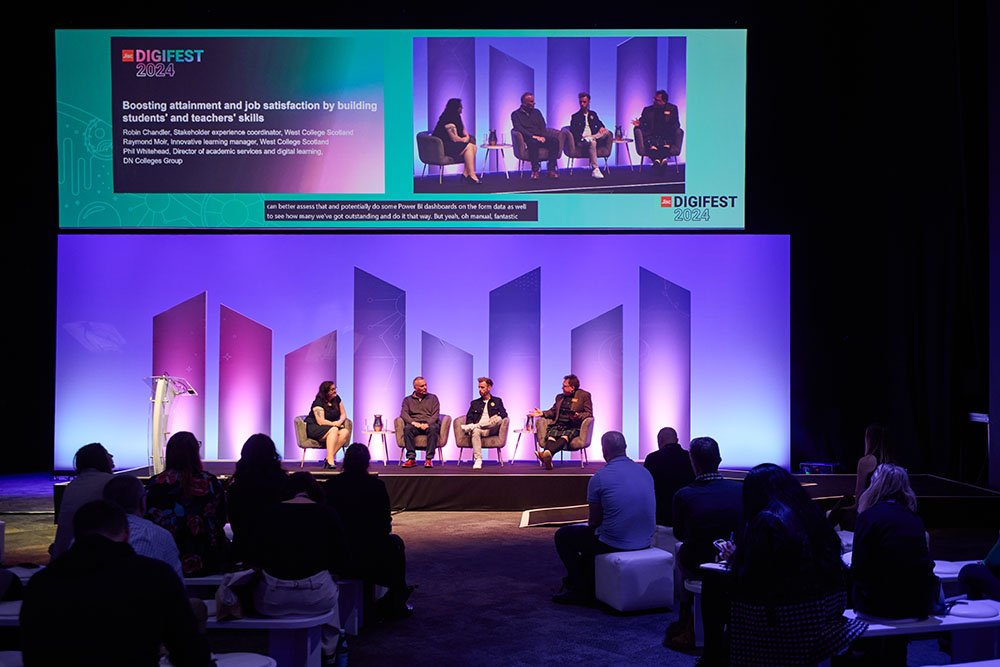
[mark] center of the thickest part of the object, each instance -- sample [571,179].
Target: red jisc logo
[666,201]
[128,55]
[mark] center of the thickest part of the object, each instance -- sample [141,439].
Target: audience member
[891,569]
[671,469]
[789,584]
[300,543]
[622,517]
[982,580]
[877,452]
[190,503]
[93,465]
[257,483]
[708,509]
[10,586]
[144,536]
[102,604]
[374,554]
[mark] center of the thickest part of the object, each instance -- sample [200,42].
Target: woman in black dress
[326,422]
[457,143]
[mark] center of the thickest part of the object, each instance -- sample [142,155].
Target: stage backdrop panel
[305,369]
[179,350]
[512,307]
[244,381]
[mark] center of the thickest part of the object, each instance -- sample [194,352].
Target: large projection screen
[319,129]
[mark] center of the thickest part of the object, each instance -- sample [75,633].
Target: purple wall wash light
[179,350]
[739,336]
[244,381]
[448,371]
[636,79]
[596,359]
[568,74]
[305,369]
[379,351]
[451,72]
[664,359]
[515,345]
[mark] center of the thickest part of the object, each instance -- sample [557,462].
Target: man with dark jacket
[483,419]
[671,469]
[102,604]
[571,407]
[660,123]
[709,508]
[530,122]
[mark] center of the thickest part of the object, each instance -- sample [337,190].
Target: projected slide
[686,331]
[617,105]
[307,129]
[246,115]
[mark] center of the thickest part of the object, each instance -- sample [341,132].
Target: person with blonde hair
[891,568]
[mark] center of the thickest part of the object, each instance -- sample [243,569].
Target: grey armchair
[421,440]
[304,442]
[431,151]
[640,147]
[579,443]
[464,441]
[575,151]
[544,153]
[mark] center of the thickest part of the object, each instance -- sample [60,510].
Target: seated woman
[191,504]
[374,553]
[789,585]
[326,422]
[877,452]
[457,143]
[93,466]
[891,569]
[258,483]
[299,543]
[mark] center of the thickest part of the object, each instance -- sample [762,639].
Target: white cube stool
[664,539]
[635,580]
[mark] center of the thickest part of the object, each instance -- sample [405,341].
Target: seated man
[421,414]
[671,469]
[587,128]
[102,604]
[621,518]
[145,537]
[571,407]
[530,122]
[659,123]
[94,465]
[483,419]
[709,508]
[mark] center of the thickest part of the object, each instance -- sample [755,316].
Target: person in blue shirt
[622,517]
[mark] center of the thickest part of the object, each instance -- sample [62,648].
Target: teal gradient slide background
[714,139]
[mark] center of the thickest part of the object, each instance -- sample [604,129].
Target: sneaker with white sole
[477,464]
[597,173]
